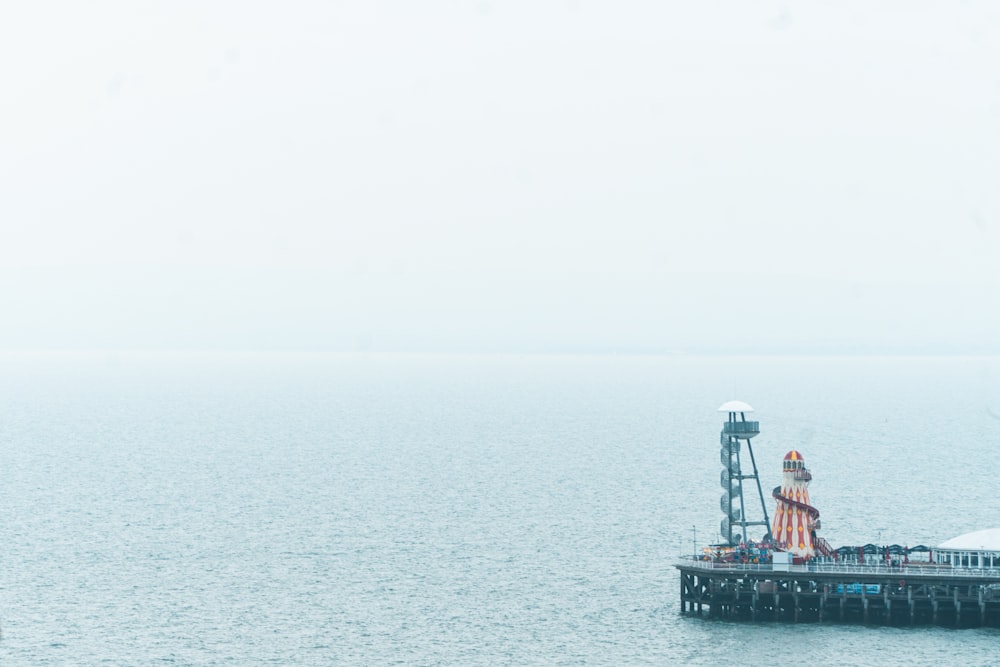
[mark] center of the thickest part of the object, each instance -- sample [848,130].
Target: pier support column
[753,606]
[909,599]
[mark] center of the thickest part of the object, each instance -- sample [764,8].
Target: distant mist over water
[316,509]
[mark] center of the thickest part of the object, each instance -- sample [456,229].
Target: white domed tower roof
[735,406]
[979,540]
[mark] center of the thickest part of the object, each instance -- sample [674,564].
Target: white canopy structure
[988,540]
[978,549]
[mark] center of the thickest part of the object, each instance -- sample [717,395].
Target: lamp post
[694,542]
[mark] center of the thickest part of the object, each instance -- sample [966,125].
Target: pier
[848,593]
[792,574]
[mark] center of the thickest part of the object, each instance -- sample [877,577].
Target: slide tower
[736,431]
[795,520]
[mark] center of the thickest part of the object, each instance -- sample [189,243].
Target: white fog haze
[371,332]
[501,177]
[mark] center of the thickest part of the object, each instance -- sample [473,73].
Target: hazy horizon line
[503,353]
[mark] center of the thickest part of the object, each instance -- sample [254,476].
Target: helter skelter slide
[795,520]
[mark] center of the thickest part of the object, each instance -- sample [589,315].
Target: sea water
[312,509]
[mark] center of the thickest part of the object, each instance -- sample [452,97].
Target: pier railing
[859,569]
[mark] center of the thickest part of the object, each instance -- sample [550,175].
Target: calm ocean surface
[246,509]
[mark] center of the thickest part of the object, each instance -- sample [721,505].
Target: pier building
[979,549]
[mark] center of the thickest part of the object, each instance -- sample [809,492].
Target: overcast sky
[504,176]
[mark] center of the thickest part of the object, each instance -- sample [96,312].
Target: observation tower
[733,503]
[795,520]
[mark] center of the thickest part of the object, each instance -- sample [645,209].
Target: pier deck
[907,595]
